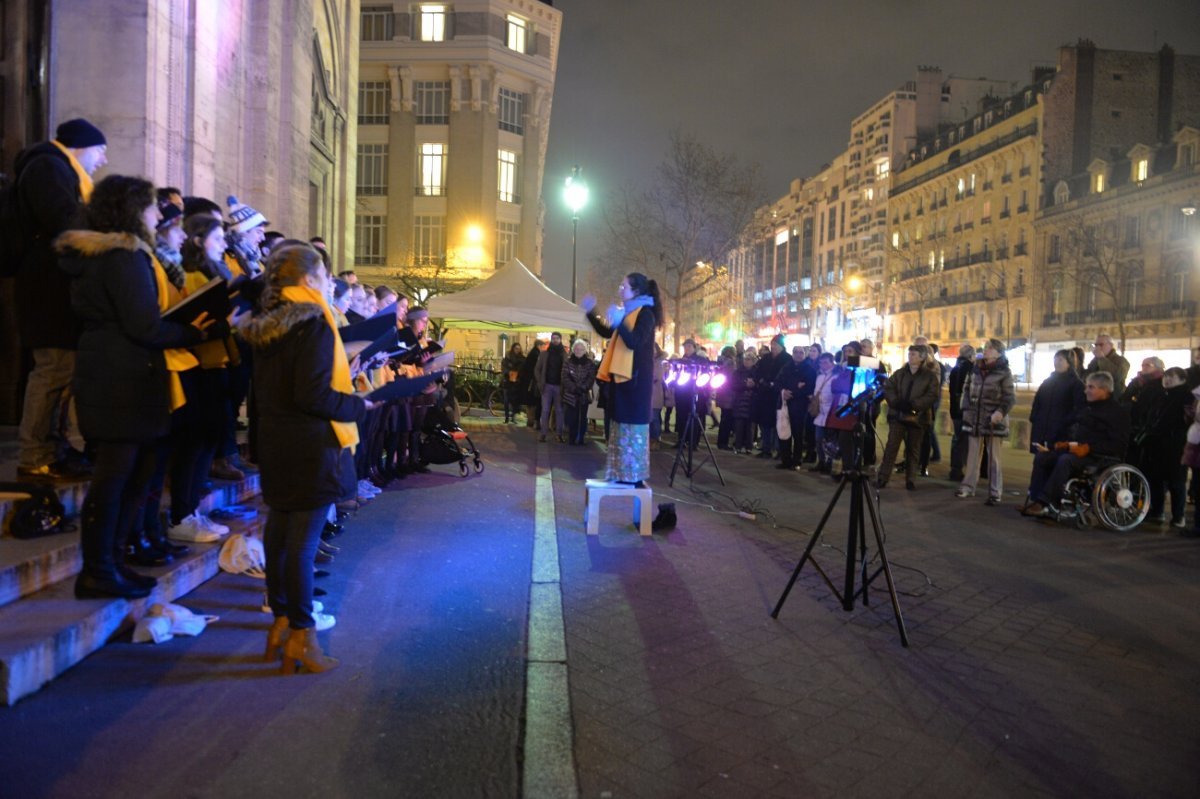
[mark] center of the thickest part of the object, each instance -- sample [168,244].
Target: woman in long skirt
[628,367]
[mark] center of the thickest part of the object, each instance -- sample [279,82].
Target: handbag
[783,423]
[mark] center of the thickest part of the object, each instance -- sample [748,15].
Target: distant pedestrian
[988,398]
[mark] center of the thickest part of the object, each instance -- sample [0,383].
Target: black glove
[216,331]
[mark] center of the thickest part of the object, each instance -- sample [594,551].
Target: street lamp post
[576,195]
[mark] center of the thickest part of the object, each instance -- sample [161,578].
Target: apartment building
[453,118]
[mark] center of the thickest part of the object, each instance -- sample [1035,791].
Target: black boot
[143,553]
[666,518]
[104,583]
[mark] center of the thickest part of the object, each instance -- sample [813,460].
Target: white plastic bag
[243,554]
[164,620]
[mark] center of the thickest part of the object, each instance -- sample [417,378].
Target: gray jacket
[985,392]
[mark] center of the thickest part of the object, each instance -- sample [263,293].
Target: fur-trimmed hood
[266,329]
[76,246]
[90,243]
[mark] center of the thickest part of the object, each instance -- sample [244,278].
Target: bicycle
[477,386]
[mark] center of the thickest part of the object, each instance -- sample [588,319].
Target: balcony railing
[430,191]
[1143,313]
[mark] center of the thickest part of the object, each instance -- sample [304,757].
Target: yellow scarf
[178,360]
[85,180]
[617,363]
[346,432]
[235,268]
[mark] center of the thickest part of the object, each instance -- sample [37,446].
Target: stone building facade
[454,112]
[960,226]
[1116,240]
[246,97]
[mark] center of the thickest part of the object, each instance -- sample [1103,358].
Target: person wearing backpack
[52,183]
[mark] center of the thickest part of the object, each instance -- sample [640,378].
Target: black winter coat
[1057,402]
[1166,432]
[1104,426]
[766,392]
[121,383]
[525,381]
[629,401]
[958,376]
[743,395]
[302,465]
[800,379]
[48,202]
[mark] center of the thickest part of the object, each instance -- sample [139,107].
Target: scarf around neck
[617,364]
[85,180]
[346,432]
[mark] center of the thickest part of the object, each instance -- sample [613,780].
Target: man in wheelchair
[1099,434]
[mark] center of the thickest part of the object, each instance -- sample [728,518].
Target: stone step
[29,566]
[47,632]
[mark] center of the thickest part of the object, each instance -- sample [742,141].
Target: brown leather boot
[275,638]
[302,646]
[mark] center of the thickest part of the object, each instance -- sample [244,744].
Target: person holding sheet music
[307,412]
[126,383]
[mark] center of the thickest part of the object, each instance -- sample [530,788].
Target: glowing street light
[576,195]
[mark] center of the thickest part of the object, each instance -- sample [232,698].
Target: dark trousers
[512,403]
[116,497]
[958,450]
[576,416]
[290,541]
[743,433]
[1173,479]
[912,436]
[791,451]
[1051,471]
[725,430]
[931,450]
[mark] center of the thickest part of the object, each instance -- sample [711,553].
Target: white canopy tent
[512,299]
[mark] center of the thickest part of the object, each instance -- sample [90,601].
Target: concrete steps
[44,630]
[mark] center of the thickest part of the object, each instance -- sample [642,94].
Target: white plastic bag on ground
[243,554]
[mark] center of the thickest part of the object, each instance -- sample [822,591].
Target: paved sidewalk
[1045,661]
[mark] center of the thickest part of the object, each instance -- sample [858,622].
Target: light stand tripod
[861,495]
[687,443]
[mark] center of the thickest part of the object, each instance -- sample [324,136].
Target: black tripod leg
[679,452]
[887,571]
[712,455]
[856,519]
[808,551]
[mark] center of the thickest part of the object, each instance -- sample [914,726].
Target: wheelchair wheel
[1121,497]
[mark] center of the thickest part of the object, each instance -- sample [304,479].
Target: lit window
[962,185]
[1141,170]
[432,169]
[432,23]
[516,32]
[507,177]
[1098,183]
[895,239]
[883,168]
[870,194]
[781,237]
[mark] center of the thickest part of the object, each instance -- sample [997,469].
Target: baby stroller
[442,441]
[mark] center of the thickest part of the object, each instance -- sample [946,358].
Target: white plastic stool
[596,490]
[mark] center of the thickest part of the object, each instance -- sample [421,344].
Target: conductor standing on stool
[628,365]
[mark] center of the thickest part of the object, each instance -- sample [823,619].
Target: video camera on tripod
[867,386]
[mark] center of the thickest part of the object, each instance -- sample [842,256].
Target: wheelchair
[1110,493]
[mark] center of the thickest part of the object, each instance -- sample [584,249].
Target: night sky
[779,81]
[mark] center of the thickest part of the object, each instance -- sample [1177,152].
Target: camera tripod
[687,444]
[861,495]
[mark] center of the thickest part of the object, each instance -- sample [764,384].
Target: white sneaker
[368,488]
[191,529]
[324,620]
[211,526]
[963,493]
